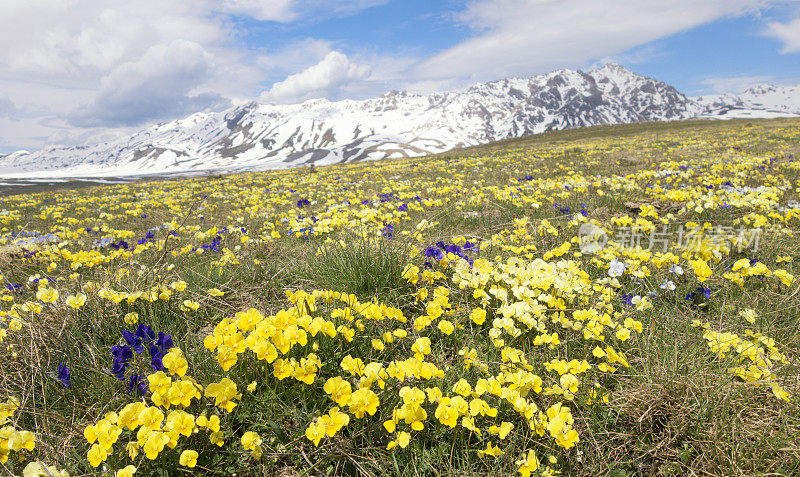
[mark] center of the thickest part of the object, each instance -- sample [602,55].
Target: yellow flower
[96,455]
[21,440]
[478,316]
[181,422]
[131,318]
[132,448]
[217,438]
[175,362]
[779,392]
[178,286]
[421,347]
[421,294]
[315,431]
[363,401]
[446,327]
[701,269]
[151,417]
[47,294]
[154,444]
[224,392]
[334,421]
[216,292]
[211,423]
[403,439]
[447,414]
[490,451]
[528,464]
[129,416]
[353,365]
[339,390]
[785,277]
[749,314]
[411,273]
[501,431]
[188,458]
[462,387]
[248,320]
[250,440]
[377,344]
[126,471]
[76,301]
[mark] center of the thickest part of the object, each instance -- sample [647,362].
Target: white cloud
[7,107]
[289,10]
[295,56]
[517,37]
[123,62]
[734,84]
[158,85]
[264,10]
[324,79]
[95,62]
[73,41]
[59,55]
[788,33]
[388,70]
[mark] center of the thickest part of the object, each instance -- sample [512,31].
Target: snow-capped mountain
[397,124]
[762,101]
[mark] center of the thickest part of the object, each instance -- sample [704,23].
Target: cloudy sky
[75,71]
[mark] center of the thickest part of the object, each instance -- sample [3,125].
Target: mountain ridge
[255,136]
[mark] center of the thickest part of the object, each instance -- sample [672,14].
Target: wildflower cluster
[756,355]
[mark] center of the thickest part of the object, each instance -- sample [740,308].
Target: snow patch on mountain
[762,101]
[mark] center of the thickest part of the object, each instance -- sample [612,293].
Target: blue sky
[691,60]
[698,61]
[92,70]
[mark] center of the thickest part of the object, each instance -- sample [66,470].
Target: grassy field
[617,300]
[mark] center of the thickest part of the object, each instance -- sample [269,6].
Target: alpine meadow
[613,300]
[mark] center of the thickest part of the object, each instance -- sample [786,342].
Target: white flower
[667,285]
[616,268]
[676,269]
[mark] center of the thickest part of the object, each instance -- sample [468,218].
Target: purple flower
[164,341]
[156,363]
[145,333]
[454,249]
[627,299]
[118,369]
[432,252]
[403,208]
[122,353]
[388,231]
[138,382]
[133,340]
[64,375]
